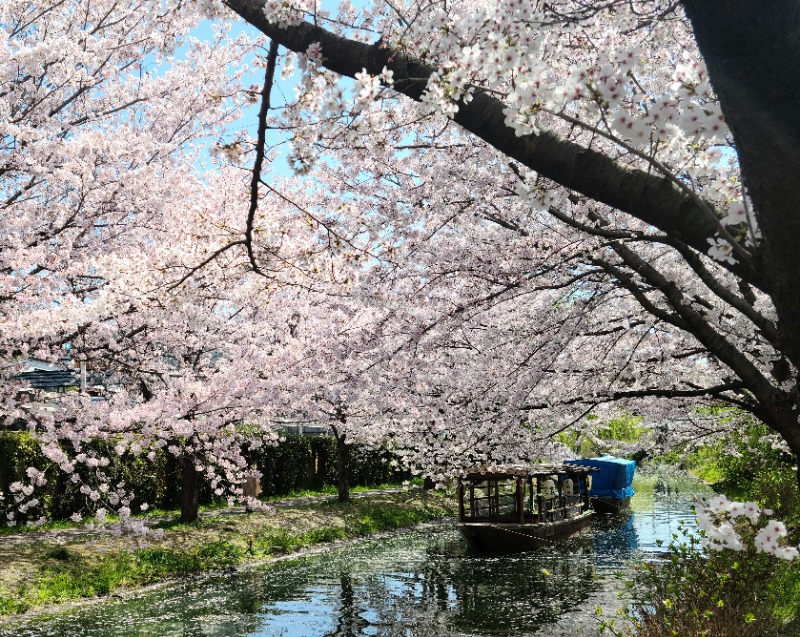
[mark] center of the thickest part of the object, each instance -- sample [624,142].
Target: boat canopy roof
[478,474]
[615,478]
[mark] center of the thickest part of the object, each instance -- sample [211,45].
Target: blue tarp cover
[614,478]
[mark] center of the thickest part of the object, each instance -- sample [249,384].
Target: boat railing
[513,496]
[491,500]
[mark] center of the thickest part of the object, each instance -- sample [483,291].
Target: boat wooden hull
[610,505]
[507,537]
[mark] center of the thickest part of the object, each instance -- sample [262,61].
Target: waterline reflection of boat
[611,488]
[508,509]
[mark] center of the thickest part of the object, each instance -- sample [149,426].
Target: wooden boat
[610,505]
[510,509]
[612,489]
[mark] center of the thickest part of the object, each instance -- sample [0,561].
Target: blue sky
[281,92]
[249,118]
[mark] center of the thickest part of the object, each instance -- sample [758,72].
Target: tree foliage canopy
[511,215]
[634,140]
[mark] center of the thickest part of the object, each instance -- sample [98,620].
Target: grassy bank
[41,569]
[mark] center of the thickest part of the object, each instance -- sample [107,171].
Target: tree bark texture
[190,490]
[752,50]
[342,468]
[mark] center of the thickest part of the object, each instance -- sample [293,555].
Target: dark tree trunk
[342,468]
[190,490]
[342,454]
[171,495]
[63,500]
[749,48]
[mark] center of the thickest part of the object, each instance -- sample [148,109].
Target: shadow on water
[417,584]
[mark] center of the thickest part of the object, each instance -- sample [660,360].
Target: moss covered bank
[39,569]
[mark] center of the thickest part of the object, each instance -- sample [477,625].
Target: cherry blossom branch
[637,291]
[693,260]
[654,199]
[194,269]
[269,78]
[716,391]
[693,322]
[321,222]
[709,209]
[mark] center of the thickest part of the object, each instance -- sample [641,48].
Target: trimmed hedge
[298,463]
[156,481]
[302,462]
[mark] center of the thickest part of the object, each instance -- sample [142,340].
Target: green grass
[284,541]
[70,577]
[329,489]
[303,493]
[784,592]
[383,519]
[54,525]
[11,603]
[361,518]
[217,505]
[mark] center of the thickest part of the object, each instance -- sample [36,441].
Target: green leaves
[699,592]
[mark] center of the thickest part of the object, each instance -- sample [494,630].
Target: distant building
[304,428]
[49,377]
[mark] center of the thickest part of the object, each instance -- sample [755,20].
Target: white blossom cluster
[287,13]
[739,526]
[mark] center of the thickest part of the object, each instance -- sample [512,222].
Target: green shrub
[624,428]
[60,497]
[744,465]
[697,592]
[719,583]
[301,463]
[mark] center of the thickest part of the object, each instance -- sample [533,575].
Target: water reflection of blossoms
[739,526]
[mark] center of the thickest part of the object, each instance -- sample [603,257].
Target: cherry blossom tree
[512,215]
[94,141]
[637,156]
[109,209]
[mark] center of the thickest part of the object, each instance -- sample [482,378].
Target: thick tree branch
[656,200]
[717,391]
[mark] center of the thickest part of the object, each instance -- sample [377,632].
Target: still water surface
[416,584]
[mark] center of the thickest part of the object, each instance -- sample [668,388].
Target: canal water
[415,584]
